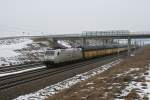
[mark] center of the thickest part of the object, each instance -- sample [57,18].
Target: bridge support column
[55,44]
[84,42]
[129,46]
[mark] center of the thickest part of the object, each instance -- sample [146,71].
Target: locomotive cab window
[50,52]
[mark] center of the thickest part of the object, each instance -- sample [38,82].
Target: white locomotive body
[62,55]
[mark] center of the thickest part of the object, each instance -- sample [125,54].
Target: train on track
[61,56]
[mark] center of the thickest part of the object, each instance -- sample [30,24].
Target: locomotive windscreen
[50,52]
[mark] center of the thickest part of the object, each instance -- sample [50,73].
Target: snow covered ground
[7,47]
[53,89]
[18,51]
[142,88]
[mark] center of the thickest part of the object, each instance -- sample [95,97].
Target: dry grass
[106,85]
[132,95]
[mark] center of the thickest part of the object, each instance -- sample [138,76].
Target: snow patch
[91,83]
[142,88]
[64,43]
[8,50]
[127,72]
[132,55]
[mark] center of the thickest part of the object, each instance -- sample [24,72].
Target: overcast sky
[73,16]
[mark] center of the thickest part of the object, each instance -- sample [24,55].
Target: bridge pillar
[129,46]
[84,42]
[55,44]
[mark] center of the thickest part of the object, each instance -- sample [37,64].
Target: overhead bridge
[114,34]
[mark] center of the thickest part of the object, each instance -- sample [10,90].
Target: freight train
[60,56]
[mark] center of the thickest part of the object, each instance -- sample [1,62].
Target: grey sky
[72,16]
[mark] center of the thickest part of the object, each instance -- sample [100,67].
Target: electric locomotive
[59,56]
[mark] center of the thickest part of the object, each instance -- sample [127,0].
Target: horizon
[46,34]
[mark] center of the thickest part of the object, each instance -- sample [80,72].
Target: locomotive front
[50,56]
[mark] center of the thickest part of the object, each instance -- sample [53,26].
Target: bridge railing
[90,34]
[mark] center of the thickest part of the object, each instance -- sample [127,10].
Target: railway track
[17,79]
[15,68]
